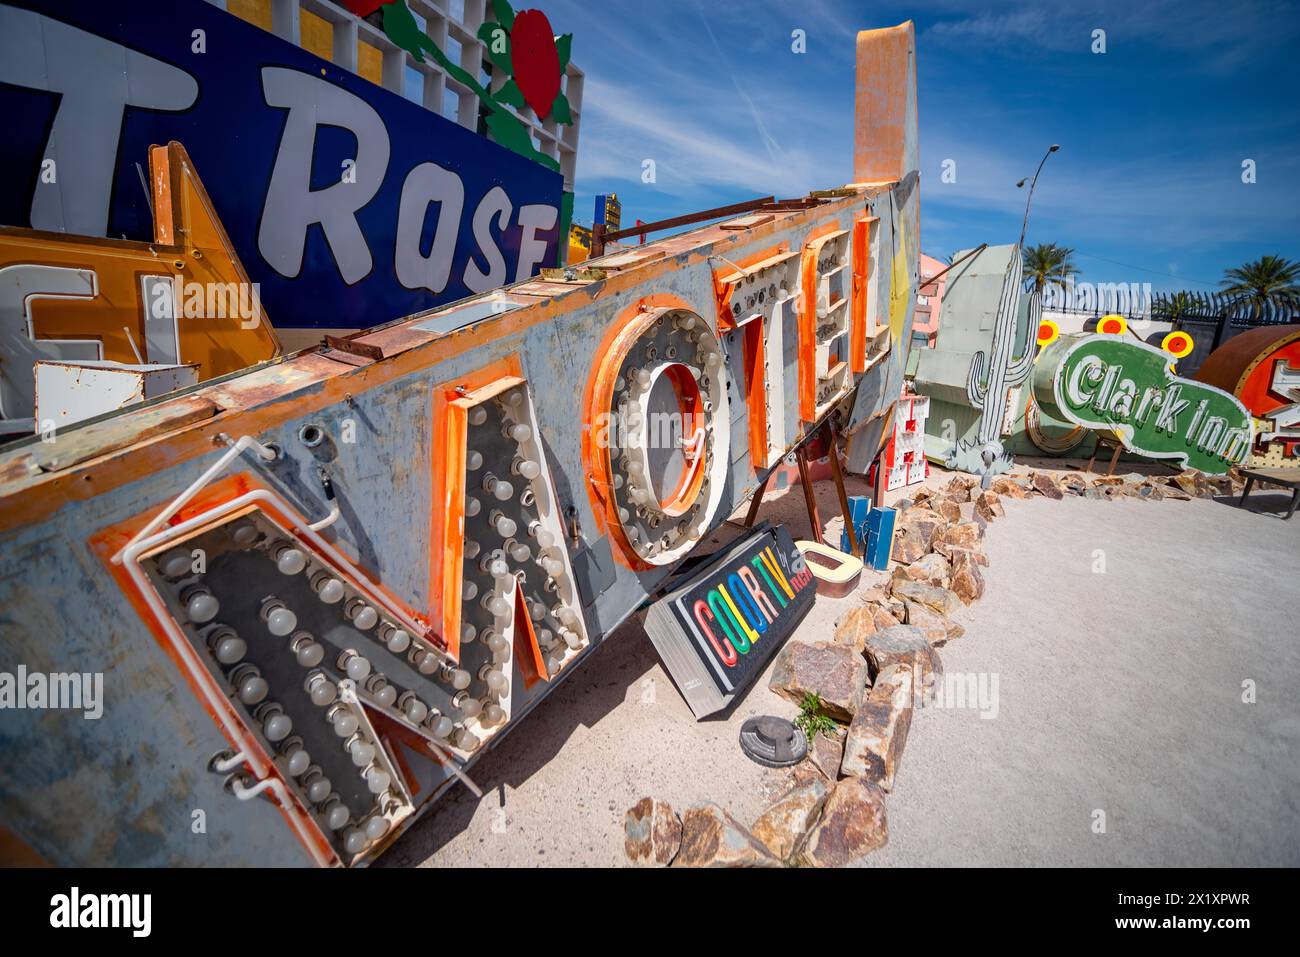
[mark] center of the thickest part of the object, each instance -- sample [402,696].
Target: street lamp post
[1032,183]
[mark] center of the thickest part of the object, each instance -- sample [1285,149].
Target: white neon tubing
[328,520]
[244,442]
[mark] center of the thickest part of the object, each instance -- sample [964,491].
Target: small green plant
[811,720]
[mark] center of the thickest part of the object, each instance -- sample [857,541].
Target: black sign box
[716,630]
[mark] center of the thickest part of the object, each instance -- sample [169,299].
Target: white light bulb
[386,696]
[176,563]
[377,780]
[477,415]
[468,590]
[643,377]
[323,692]
[460,679]
[617,481]
[365,618]
[493,714]
[529,469]
[357,668]
[319,789]
[545,539]
[253,689]
[520,552]
[376,828]
[330,591]
[468,633]
[497,605]
[281,622]
[497,568]
[639,495]
[466,740]
[553,568]
[505,526]
[244,533]
[362,753]
[471,548]
[498,644]
[345,723]
[299,762]
[624,515]
[337,817]
[442,728]
[503,490]
[229,650]
[355,842]
[472,506]
[520,432]
[474,460]
[398,641]
[428,663]
[309,654]
[496,681]
[277,727]
[471,707]
[416,710]
[291,562]
[201,607]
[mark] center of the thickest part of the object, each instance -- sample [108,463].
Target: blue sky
[1147,186]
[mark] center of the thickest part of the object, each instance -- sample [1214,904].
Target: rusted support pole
[597,241]
[810,499]
[757,500]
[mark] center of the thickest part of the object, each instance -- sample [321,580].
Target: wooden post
[810,499]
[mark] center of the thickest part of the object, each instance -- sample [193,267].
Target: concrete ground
[1120,635]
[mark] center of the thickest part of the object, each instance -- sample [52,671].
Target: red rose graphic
[535,60]
[363,8]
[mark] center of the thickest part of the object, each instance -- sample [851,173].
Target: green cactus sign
[1111,384]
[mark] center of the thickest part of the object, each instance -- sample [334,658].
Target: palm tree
[1173,308]
[1269,281]
[1047,262]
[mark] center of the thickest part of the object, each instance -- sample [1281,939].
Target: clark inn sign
[1109,384]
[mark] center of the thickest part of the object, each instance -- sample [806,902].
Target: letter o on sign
[657,433]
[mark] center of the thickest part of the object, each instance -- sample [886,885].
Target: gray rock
[878,732]
[835,672]
[852,824]
[939,599]
[713,838]
[903,645]
[652,833]
[781,828]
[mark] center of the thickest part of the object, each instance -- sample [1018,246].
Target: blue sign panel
[348,204]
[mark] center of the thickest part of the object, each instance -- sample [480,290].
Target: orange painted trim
[528,654]
[108,541]
[450,427]
[259,400]
[808,319]
[690,406]
[597,401]
[722,291]
[861,258]
[755,356]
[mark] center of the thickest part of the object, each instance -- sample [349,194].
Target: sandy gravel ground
[1119,703]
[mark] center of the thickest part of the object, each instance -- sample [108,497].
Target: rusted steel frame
[686,220]
[955,263]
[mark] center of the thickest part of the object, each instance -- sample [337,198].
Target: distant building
[925,323]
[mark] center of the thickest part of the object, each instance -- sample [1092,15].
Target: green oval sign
[1126,387]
